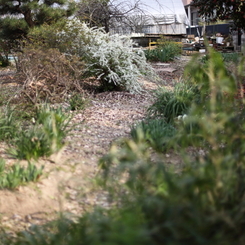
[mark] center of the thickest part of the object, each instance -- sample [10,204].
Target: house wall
[191,12]
[166,29]
[170,29]
[166,17]
[210,30]
[186,2]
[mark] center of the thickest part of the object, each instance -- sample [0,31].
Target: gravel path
[66,186]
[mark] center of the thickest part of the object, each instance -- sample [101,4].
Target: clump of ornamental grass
[170,104]
[155,132]
[43,138]
[77,101]
[9,124]
[16,175]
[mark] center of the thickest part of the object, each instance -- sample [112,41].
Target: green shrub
[46,35]
[169,104]
[9,124]
[231,57]
[204,203]
[32,143]
[17,175]
[92,229]
[165,52]
[227,57]
[55,125]
[45,137]
[156,132]
[77,101]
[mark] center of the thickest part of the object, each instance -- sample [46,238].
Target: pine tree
[17,17]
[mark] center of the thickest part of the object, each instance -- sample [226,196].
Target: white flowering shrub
[109,58]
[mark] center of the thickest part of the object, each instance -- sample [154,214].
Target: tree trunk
[106,23]
[28,18]
[239,37]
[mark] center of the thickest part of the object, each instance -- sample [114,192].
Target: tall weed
[18,175]
[45,137]
[9,123]
[55,125]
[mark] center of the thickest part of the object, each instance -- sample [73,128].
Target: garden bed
[68,174]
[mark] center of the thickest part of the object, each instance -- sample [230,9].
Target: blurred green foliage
[202,202]
[43,138]
[155,132]
[171,103]
[16,175]
[77,101]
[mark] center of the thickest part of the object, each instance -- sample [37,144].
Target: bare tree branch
[105,12]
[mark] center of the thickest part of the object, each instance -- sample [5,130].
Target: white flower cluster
[110,58]
[182,117]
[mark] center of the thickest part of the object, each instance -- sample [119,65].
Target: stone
[168,69]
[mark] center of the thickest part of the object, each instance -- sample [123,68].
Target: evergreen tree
[222,10]
[17,17]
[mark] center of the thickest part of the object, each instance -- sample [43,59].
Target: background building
[153,17]
[197,24]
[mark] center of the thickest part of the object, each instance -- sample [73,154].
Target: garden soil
[68,180]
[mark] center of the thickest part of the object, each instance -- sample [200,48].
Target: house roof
[153,16]
[171,10]
[163,7]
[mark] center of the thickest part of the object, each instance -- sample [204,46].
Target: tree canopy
[222,10]
[18,16]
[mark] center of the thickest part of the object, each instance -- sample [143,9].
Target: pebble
[16,217]
[4,218]
[28,218]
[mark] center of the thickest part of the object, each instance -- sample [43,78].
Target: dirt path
[68,174]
